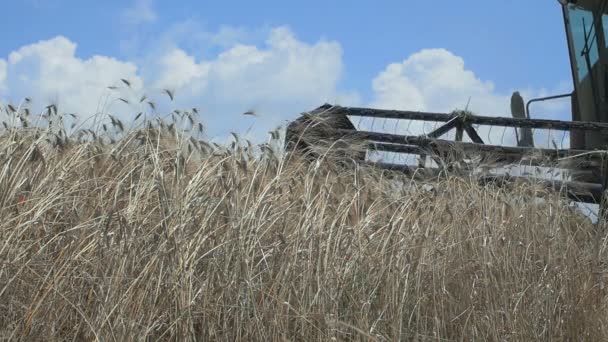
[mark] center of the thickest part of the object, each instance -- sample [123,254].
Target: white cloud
[140,12]
[180,70]
[278,78]
[285,67]
[436,80]
[49,71]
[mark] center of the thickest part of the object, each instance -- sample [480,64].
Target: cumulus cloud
[50,72]
[436,80]
[285,68]
[278,78]
[140,12]
[180,70]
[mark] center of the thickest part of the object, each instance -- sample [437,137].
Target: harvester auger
[585,162]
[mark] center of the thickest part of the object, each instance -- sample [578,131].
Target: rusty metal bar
[472,133]
[443,129]
[425,142]
[479,120]
[583,168]
[576,191]
[398,148]
[540,99]
[398,114]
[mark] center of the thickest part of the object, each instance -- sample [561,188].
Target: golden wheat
[163,236]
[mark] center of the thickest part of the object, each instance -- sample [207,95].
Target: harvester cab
[584,164]
[586,24]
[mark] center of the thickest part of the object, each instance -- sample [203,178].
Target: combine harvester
[585,162]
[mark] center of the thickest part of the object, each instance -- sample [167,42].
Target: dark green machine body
[586,23]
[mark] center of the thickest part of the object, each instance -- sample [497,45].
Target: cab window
[584,38]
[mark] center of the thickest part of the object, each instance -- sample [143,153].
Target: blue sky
[337,51]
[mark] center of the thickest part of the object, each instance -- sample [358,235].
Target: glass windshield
[584,39]
[605,26]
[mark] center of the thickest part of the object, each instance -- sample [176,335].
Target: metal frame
[319,125]
[541,99]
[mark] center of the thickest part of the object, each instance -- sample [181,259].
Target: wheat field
[157,236]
